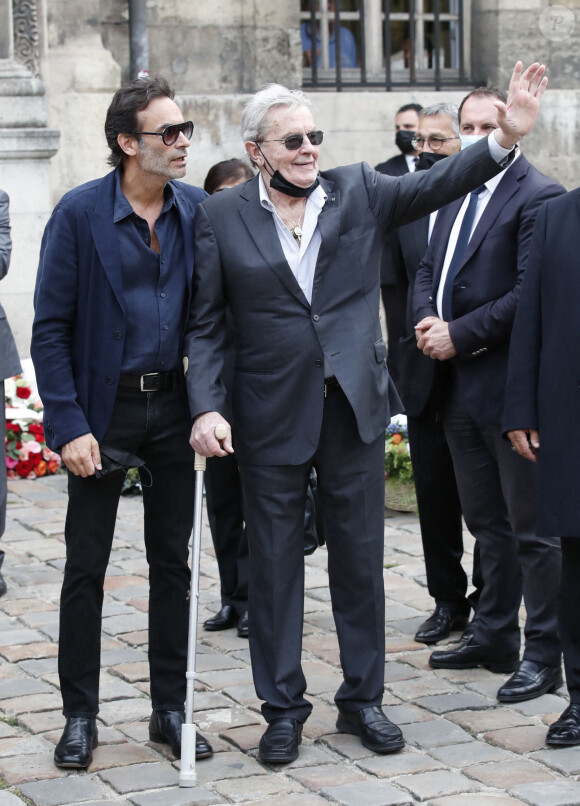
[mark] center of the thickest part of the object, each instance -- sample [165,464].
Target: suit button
[318,363]
[109,380]
[315,318]
[117,334]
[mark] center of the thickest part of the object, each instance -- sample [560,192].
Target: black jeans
[155,426]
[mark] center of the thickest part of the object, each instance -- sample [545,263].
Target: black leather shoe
[376,731]
[165,728]
[279,744]
[243,625]
[530,680]
[565,731]
[224,620]
[439,625]
[2,585]
[78,740]
[469,655]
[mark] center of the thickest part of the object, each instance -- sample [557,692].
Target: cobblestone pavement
[463,747]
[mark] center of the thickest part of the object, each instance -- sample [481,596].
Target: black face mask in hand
[403,141]
[427,159]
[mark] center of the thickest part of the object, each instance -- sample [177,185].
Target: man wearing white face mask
[465,299]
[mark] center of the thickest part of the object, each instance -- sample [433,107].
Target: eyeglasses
[294,141]
[434,143]
[170,134]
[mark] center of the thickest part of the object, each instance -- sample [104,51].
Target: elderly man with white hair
[295,254]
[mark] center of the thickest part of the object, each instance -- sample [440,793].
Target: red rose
[34,459]
[14,427]
[24,468]
[23,392]
[53,466]
[395,439]
[37,431]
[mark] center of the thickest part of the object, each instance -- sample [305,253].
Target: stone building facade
[61,61]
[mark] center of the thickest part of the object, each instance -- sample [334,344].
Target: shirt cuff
[497,152]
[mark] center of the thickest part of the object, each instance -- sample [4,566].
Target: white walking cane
[187,770]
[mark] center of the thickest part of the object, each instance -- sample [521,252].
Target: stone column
[26,145]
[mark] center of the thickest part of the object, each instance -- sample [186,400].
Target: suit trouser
[351,488]
[568,620]
[439,510]
[497,488]
[155,426]
[228,532]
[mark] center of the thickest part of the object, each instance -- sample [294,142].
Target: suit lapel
[105,239]
[508,186]
[262,230]
[185,219]
[329,226]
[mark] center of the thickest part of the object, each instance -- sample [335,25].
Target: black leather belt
[151,381]
[330,385]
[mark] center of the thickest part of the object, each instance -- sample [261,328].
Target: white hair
[270,96]
[451,110]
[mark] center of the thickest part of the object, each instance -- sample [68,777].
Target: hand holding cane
[187,769]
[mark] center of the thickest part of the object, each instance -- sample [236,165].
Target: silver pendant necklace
[294,229]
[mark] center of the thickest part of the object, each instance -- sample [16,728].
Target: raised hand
[517,116]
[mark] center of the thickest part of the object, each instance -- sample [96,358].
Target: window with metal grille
[388,43]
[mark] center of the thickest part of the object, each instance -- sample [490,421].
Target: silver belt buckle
[142,381]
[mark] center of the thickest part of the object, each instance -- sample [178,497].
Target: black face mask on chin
[281,184]
[427,159]
[403,141]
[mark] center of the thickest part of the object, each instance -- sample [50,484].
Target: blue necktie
[458,254]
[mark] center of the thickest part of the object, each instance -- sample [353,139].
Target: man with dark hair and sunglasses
[295,255]
[112,295]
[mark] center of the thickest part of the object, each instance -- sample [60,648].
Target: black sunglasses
[294,141]
[170,134]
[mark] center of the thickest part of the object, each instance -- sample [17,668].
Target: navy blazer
[543,383]
[487,286]
[79,325]
[281,339]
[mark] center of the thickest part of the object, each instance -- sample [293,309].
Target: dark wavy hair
[122,113]
[224,172]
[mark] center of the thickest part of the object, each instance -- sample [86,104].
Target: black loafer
[469,655]
[76,745]
[224,620]
[279,744]
[243,625]
[165,728]
[565,731]
[376,731]
[530,680]
[439,625]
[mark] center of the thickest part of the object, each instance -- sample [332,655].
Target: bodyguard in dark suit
[466,294]
[9,362]
[295,255]
[112,295]
[542,414]
[422,384]
[393,293]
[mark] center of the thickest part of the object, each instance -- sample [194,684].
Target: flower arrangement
[397,457]
[27,455]
[399,485]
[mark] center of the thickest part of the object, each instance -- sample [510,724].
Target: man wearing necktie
[465,299]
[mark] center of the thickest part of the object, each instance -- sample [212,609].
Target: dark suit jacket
[9,361]
[395,166]
[487,285]
[543,383]
[79,325]
[404,250]
[281,339]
